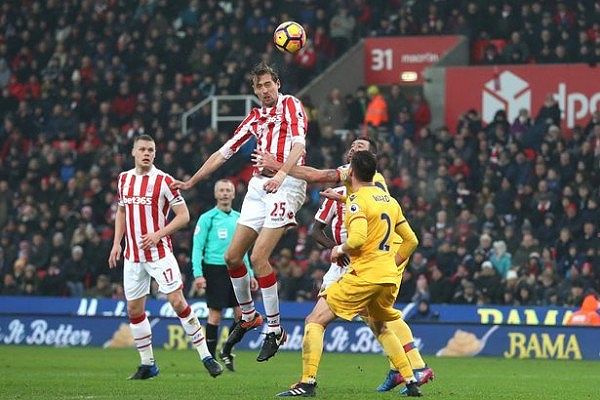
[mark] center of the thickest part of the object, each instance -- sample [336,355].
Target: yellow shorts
[352,295]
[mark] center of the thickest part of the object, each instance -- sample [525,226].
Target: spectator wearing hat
[488,282]
[376,114]
[500,258]
[533,265]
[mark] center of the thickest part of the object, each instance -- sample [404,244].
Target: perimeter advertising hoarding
[456,340]
[66,306]
[514,87]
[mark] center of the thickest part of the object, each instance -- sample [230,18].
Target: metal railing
[215,118]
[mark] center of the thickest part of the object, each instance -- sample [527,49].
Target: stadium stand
[506,213]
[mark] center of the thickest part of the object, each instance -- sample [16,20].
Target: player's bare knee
[177,302]
[134,309]
[232,260]
[257,259]
[260,263]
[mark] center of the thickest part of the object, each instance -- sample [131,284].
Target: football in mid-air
[289,36]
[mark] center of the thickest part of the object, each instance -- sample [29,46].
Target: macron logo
[506,92]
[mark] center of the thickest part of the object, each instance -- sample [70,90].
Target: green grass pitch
[75,373]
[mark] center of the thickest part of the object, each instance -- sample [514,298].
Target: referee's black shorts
[219,290]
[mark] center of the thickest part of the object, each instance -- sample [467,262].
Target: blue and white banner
[509,341]
[295,311]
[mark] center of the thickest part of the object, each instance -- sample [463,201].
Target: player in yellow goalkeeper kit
[371,284]
[340,175]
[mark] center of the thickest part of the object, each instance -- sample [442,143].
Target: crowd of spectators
[506,213]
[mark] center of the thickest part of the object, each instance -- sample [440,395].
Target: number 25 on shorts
[278,209]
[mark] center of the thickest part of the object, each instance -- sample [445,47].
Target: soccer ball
[289,37]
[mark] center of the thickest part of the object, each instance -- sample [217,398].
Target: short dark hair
[263,68]
[372,144]
[364,165]
[142,137]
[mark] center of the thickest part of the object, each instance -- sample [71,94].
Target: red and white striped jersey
[147,200]
[331,213]
[276,129]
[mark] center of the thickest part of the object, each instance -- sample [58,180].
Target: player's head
[224,191]
[363,166]
[362,144]
[266,84]
[144,151]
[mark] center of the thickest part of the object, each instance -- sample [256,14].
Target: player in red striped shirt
[145,200]
[270,205]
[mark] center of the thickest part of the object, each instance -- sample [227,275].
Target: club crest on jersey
[354,208]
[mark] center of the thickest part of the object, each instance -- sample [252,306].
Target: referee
[212,236]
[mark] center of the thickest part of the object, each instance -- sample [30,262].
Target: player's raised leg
[267,281]
[243,238]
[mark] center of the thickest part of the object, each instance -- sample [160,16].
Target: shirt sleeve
[199,244]
[120,182]
[173,196]
[242,134]
[297,120]
[326,211]
[356,222]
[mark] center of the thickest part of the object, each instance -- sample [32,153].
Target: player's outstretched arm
[115,253]
[214,161]
[182,217]
[309,174]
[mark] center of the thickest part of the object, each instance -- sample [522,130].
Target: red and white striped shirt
[147,200]
[331,213]
[276,129]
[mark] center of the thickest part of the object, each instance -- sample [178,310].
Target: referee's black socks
[212,332]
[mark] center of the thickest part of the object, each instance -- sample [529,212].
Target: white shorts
[136,278]
[272,210]
[334,273]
